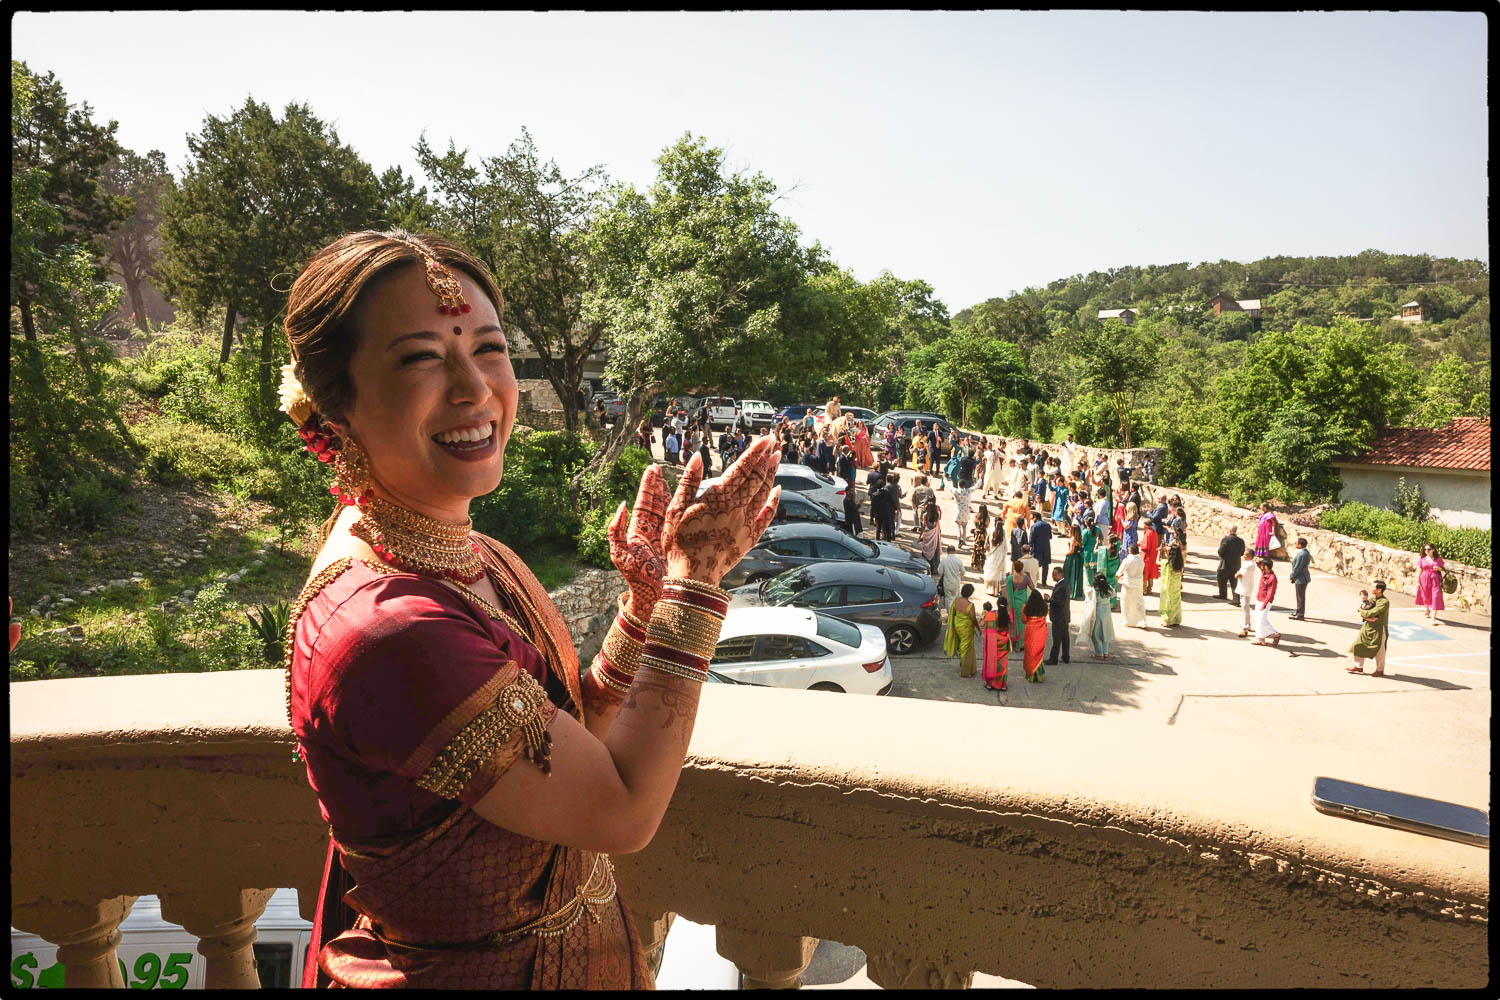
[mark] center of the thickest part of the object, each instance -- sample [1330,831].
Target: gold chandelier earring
[351,475]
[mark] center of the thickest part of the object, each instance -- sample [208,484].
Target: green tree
[1041,421]
[528,222]
[63,152]
[1451,389]
[402,204]
[259,197]
[691,278]
[1118,361]
[135,243]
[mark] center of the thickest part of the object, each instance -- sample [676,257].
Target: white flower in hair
[294,402]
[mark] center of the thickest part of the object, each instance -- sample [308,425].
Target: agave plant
[270,622]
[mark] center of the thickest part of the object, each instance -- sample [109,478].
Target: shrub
[1408,502]
[177,451]
[1470,546]
[602,498]
[534,502]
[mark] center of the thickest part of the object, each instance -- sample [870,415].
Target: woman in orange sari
[1034,616]
[1150,551]
[863,456]
[474,784]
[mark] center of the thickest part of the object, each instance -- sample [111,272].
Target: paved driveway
[1432,705]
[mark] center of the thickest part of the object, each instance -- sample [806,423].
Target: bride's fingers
[650,505]
[766,513]
[687,489]
[617,531]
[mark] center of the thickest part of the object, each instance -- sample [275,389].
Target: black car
[902,605]
[784,546]
[906,420]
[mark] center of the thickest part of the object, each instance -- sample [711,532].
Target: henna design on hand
[637,551]
[702,539]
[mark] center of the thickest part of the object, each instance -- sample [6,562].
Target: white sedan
[798,648]
[826,490]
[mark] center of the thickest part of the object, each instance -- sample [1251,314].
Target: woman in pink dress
[1265,530]
[1430,582]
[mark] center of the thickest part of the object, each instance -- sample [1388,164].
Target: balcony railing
[942,839]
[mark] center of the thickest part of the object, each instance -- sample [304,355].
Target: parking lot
[1433,704]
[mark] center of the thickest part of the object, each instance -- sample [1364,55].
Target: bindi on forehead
[457,330]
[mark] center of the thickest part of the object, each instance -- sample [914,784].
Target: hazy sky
[982,152]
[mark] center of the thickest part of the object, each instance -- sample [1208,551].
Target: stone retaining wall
[1133,456]
[538,406]
[587,603]
[1342,555]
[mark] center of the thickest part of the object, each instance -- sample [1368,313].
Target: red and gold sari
[404,696]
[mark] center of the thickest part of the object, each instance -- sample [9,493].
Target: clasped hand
[700,538]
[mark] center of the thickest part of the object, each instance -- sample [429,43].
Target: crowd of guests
[1117,540]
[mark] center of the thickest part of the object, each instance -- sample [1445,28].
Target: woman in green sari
[1015,588]
[1170,606]
[1088,547]
[1073,564]
[958,640]
[1109,563]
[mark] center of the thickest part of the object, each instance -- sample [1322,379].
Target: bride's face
[434,395]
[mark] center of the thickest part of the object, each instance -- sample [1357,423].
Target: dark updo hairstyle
[1036,605]
[326,296]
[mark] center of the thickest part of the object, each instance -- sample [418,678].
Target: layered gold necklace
[419,544]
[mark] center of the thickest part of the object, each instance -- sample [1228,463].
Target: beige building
[1451,464]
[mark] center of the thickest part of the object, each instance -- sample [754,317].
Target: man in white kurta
[1069,456]
[1132,577]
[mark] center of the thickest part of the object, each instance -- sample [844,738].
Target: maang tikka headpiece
[444,284]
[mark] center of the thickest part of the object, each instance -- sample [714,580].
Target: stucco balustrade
[1047,847]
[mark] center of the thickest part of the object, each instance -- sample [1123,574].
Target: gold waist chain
[597,890]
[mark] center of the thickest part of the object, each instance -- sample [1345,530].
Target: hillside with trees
[1251,413]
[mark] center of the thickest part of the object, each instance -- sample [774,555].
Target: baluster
[653,934]
[223,921]
[768,961]
[897,972]
[85,934]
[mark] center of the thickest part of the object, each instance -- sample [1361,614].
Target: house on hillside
[1451,464]
[1126,316]
[1410,313]
[1223,303]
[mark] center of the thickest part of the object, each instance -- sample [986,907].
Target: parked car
[905,420]
[757,413]
[902,605]
[794,413]
[721,411]
[784,546]
[827,490]
[614,406]
[802,649]
[795,508]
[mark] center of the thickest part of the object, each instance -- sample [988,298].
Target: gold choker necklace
[419,544]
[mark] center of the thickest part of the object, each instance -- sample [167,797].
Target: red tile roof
[1463,444]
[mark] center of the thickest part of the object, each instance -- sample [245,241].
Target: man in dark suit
[1019,535]
[893,491]
[1231,548]
[882,512]
[1041,544]
[1060,613]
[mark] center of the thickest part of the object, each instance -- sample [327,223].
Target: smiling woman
[424,660]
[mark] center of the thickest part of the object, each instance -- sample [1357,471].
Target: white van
[155,954]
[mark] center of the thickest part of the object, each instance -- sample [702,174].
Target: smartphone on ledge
[1402,811]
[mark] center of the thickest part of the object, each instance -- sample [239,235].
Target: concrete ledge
[1051,848]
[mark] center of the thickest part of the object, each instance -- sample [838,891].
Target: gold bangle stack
[620,655]
[685,628]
